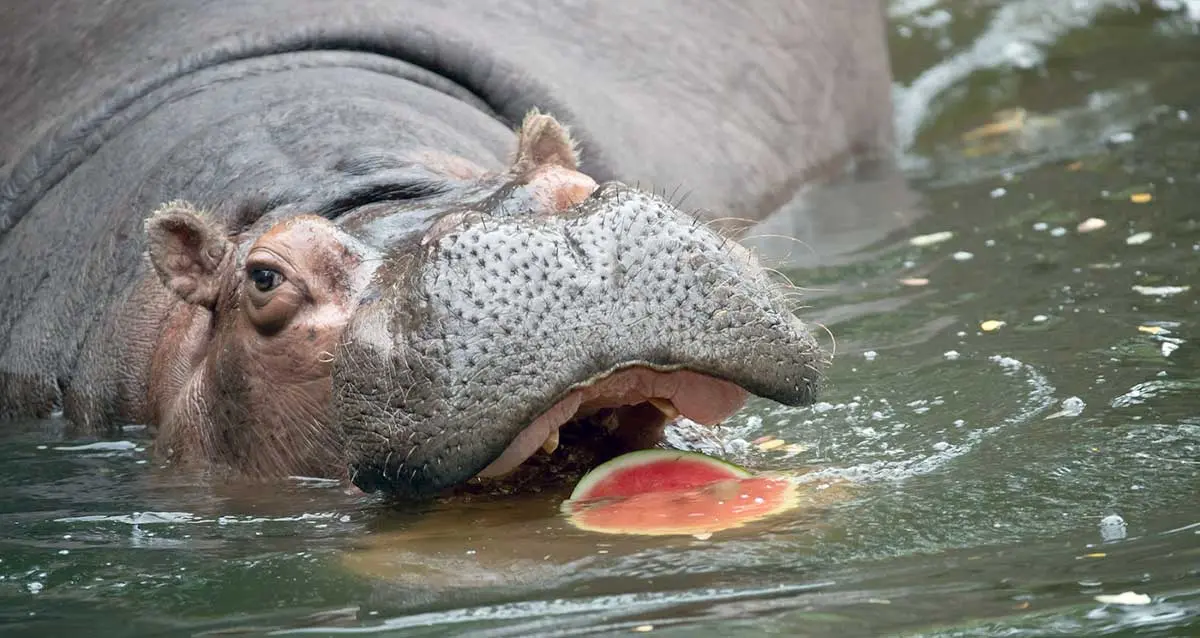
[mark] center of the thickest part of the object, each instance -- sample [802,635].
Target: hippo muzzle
[473,350]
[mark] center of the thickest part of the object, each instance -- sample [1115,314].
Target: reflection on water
[1016,397]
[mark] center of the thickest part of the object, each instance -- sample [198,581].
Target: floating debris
[921,241]
[1124,598]
[769,443]
[1141,198]
[1139,238]
[991,325]
[1153,330]
[1160,291]
[997,193]
[914,281]
[951,355]
[1040,318]
[767,446]
[1003,123]
[1074,166]
[1090,224]
[963,255]
[641,629]
[870,355]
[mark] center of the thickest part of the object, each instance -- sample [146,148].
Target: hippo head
[412,344]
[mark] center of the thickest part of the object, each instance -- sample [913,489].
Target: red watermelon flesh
[664,492]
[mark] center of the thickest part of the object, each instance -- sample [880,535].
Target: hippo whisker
[679,200]
[786,285]
[787,257]
[832,339]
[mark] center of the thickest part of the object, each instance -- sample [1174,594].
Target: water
[1007,475]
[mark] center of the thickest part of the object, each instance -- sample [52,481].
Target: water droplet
[1112,527]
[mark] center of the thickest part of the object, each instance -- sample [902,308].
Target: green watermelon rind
[649,457]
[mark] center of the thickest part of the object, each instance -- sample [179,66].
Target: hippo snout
[500,330]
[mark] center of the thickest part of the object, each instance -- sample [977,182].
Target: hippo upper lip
[699,397]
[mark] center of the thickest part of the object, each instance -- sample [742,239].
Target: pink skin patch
[555,189]
[701,398]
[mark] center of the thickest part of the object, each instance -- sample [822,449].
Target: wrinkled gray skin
[475,317]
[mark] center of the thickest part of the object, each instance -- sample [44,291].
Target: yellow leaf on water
[1003,122]
[991,325]
[1152,330]
[1141,198]
[1094,555]
[766,446]
[1074,166]
[914,281]
[795,448]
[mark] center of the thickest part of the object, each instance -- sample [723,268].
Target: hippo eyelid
[417,188]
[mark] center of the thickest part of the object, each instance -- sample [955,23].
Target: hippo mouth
[633,406]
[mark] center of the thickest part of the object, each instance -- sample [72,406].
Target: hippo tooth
[610,422]
[665,406]
[551,443]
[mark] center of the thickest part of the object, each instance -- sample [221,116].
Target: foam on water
[102,446]
[863,430]
[182,518]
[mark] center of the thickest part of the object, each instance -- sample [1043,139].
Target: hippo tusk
[551,443]
[665,406]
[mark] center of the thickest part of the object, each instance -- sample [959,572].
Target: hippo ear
[543,141]
[188,252]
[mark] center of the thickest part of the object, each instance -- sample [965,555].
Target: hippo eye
[265,279]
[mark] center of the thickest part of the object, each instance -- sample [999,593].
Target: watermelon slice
[667,492]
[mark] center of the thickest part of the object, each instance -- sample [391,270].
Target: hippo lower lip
[699,397]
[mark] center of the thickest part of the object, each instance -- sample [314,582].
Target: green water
[1007,477]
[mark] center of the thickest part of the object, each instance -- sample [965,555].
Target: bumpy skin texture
[504,316]
[389,127]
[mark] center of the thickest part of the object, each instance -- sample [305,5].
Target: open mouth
[631,408]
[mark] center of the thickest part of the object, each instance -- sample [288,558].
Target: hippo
[404,244]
